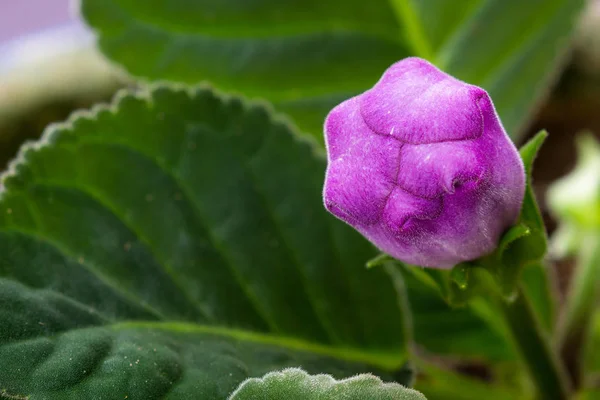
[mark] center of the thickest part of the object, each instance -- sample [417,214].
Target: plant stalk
[581,301]
[547,373]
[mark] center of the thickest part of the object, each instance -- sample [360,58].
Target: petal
[417,103]
[342,126]
[362,169]
[404,209]
[431,170]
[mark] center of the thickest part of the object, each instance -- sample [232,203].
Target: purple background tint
[22,17]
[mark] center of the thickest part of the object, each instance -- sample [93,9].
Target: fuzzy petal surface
[421,166]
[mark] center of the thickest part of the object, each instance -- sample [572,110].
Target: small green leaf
[530,150]
[514,233]
[451,284]
[295,384]
[535,242]
[172,246]
[460,275]
[525,243]
[306,56]
[379,260]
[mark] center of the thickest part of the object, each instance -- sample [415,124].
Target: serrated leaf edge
[145,93]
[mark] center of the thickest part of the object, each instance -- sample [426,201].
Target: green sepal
[378,260]
[453,285]
[456,286]
[522,244]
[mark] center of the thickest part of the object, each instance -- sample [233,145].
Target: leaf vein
[186,195]
[106,203]
[289,249]
[89,267]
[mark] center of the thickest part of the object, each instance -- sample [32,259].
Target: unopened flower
[421,165]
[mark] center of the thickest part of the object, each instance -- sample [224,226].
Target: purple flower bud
[421,165]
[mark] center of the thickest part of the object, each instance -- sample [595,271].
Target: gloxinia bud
[421,165]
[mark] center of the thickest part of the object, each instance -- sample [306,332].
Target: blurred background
[49,67]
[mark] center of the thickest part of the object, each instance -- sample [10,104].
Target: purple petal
[403,209]
[431,170]
[362,167]
[417,103]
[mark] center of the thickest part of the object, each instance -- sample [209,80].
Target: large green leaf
[295,384]
[174,245]
[307,55]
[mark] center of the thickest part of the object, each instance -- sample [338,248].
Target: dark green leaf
[295,384]
[305,56]
[174,245]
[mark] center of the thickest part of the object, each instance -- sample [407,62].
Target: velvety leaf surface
[307,56]
[172,246]
[295,384]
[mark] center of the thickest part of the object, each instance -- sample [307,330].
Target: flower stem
[547,373]
[581,300]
